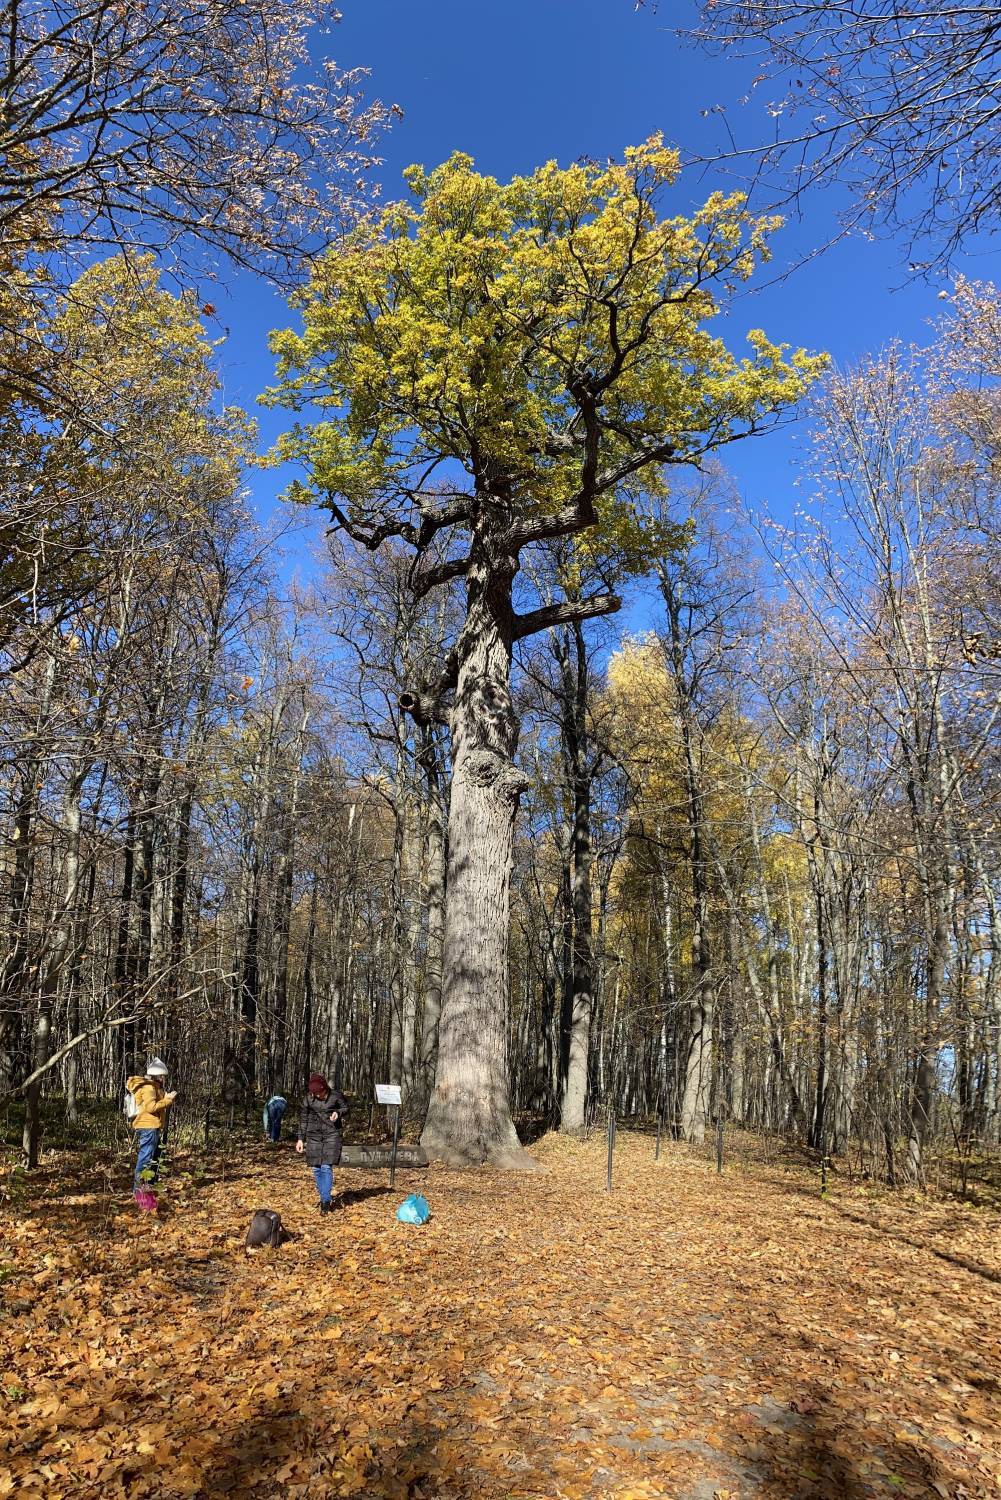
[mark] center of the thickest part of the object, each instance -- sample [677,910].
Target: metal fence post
[396,1142]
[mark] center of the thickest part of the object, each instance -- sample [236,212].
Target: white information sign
[387,1093]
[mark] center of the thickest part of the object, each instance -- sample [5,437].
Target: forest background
[755,873]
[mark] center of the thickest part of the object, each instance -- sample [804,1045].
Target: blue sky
[515,84]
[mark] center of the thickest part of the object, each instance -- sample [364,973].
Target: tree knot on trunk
[490,769]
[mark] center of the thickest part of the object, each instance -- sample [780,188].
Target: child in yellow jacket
[151,1104]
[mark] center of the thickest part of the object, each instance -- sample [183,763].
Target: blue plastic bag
[414,1210]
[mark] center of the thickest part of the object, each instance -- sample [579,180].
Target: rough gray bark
[469,1115]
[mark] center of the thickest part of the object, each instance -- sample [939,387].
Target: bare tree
[899,102]
[199,124]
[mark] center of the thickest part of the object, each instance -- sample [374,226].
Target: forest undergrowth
[688,1336]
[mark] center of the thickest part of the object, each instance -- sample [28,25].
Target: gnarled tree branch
[424,704]
[565,614]
[423,583]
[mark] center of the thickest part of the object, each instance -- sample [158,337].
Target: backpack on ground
[266,1228]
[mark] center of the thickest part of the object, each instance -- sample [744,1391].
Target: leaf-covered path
[687,1337]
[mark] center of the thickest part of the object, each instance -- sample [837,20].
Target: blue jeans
[276,1113]
[324,1179]
[147,1160]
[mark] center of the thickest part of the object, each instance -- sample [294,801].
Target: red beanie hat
[318,1085]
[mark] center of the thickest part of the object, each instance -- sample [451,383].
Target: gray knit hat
[156,1068]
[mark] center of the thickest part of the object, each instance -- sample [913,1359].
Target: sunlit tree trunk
[469,1116]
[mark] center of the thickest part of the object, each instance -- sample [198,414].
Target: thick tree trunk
[469,1116]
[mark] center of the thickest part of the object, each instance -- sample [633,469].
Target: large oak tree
[496,365]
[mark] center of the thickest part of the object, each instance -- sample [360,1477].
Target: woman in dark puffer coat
[321,1134]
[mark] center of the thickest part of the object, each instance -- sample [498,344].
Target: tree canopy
[538,342]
